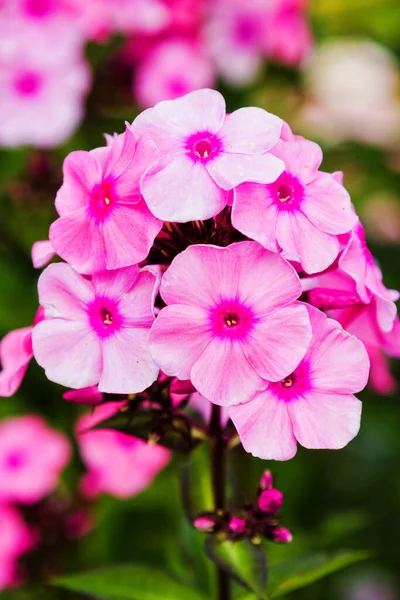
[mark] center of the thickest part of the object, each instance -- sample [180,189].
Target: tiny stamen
[287,382]
[107,201]
[106,316]
[231,320]
[284,193]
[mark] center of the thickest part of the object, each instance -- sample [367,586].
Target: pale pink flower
[42,252]
[230,322]
[32,456]
[43,81]
[15,539]
[235,35]
[204,153]
[117,463]
[171,69]
[301,213]
[96,331]
[104,222]
[314,405]
[288,39]
[15,355]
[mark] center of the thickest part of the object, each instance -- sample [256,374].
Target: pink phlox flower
[15,355]
[32,457]
[302,213]
[117,463]
[104,223]
[231,320]
[16,538]
[90,396]
[314,405]
[96,331]
[204,153]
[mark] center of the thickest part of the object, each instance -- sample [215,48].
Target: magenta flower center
[231,319]
[28,83]
[104,316]
[38,8]
[102,200]
[288,381]
[14,460]
[203,146]
[248,30]
[287,191]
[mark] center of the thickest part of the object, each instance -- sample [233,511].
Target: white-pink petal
[230,170]
[250,130]
[64,293]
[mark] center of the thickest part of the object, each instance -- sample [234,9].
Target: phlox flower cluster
[32,457]
[172,46]
[211,248]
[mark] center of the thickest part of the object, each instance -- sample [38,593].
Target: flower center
[232,320]
[288,191]
[104,316]
[38,8]
[284,193]
[14,460]
[203,146]
[102,200]
[28,83]
[248,30]
[288,381]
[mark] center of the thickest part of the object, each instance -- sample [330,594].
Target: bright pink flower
[204,153]
[15,355]
[117,463]
[289,38]
[32,456]
[301,213]
[90,396]
[42,252]
[44,80]
[171,69]
[15,539]
[96,331]
[235,35]
[230,322]
[104,223]
[314,405]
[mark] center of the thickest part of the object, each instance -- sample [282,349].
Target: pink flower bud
[266,481]
[204,523]
[237,524]
[270,500]
[282,535]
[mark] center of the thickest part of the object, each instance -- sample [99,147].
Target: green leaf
[128,582]
[243,561]
[299,572]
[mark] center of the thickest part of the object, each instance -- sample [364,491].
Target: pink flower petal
[42,252]
[78,240]
[255,214]
[257,266]
[137,304]
[250,130]
[296,235]
[114,284]
[178,337]
[89,396]
[324,420]
[68,351]
[15,355]
[182,191]
[81,172]
[264,427]
[127,182]
[230,170]
[301,157]
[339,363]
[63,293]
[119,157]
[200,275]
[223,374]
[327,205]
[127,364]
[279,342]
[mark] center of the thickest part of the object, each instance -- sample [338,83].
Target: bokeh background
[334,75]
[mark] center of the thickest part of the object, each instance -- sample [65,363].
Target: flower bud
[266,481]
[237,524]
[282,535]
[204,523]
[270,500]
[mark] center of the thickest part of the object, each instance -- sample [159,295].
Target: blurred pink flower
[301,213]
[314,405]
[117,463]
[43,82]
[231,320]
[32,456]
[15,355]
[96,331]
[171,69]
[15,539]
[104,223]
[204,153]
[288,37]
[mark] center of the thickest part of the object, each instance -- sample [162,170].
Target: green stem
[218,469]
